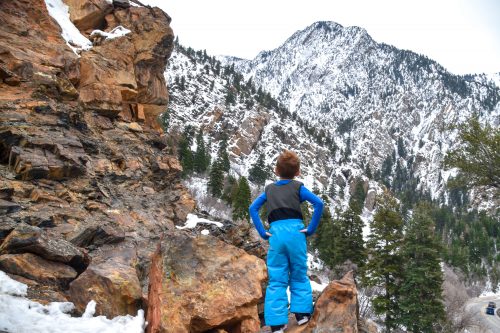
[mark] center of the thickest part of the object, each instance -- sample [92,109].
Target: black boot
[302,318]
[278,329]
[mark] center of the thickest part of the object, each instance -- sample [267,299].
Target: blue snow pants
[287,267]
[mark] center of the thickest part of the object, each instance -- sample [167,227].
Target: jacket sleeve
[306,195]
[254,214]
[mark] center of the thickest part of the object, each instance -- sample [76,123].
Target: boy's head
[288,165]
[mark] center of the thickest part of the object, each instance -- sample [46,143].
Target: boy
[287,255]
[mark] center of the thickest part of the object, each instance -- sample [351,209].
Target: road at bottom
[490,323]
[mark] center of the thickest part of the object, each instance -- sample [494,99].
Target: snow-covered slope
[354,107]
[198,92]
[374,95]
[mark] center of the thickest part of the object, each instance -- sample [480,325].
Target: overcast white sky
[462,35]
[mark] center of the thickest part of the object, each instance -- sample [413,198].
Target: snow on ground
[314,263]
[20,315]
[318,287]
[119,31]
[193,220]
[59,12]
[488,290]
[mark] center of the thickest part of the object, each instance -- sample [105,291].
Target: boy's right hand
[269,234]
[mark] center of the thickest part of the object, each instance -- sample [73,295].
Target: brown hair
[288,164]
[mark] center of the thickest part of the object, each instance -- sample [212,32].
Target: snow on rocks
[193,220]
[60,12]
[119,31]
[19,314]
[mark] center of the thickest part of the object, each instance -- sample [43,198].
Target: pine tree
[331,188]
[242,200]
[385,263]
[185,154]
[349,244]
[222,156]
[164,120]
[201,161]
[477,156]
[421,292]
[216,180]
[401,148]
[357,200]
[259,172]
[324,241]
[230,189]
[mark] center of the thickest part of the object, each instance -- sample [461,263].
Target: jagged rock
[7,207]
[88,14]
[97,234]
[336,309]
[34,153]
[105,71]
[26,28]
[125,75]
[36,268]
[249,133]
[110,280]
[25,238]
[153,41]
[200,283]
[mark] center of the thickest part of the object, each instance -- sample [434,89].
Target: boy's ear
[297,173]
[276,172]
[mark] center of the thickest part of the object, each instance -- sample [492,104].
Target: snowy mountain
[371,96]
[356,107]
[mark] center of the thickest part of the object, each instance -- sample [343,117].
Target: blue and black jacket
[283,200]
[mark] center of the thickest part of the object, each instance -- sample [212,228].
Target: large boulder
[111,281]
[198,284]
[336,310]
[33,55]
[88,14]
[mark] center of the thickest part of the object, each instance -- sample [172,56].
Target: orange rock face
[112,282]
[88,14]
[126,74]
[335,310]
[36,268]
[200,283]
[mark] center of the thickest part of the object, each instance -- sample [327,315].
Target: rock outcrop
[86,176]
[111,280]
[199,284]
[336,310]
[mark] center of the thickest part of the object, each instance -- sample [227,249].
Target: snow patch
[19,314]
[318,286]
[119,31]
[11,287]
[74,39]
[314,263]
[193,220]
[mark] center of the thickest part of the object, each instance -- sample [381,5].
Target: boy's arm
[306,195]
[254,214]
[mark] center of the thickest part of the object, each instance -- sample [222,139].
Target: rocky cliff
[86,183]
[90,193]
